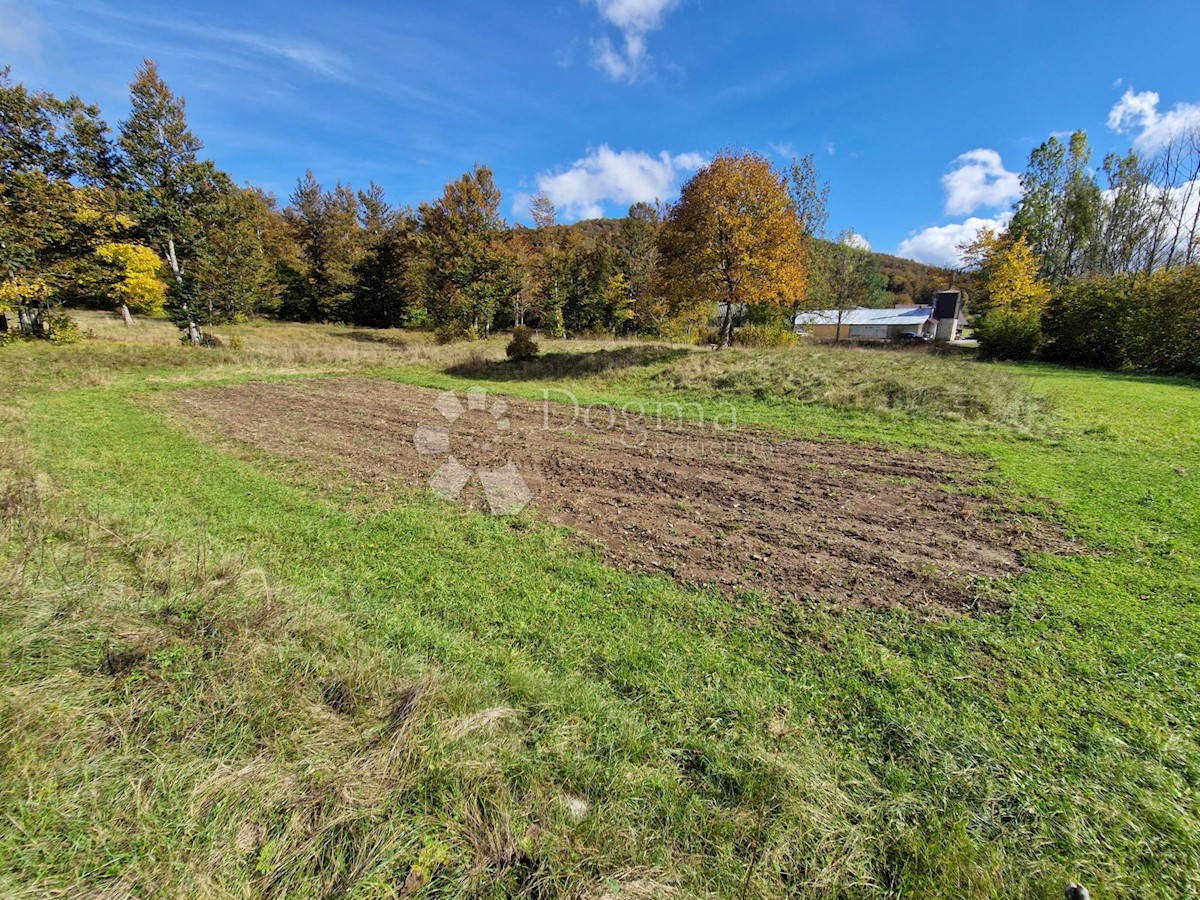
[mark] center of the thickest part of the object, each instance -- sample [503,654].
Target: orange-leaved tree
[733,238]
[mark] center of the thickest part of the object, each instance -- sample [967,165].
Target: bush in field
[765,336]
[61,328]
[452,333]
[1167,336]
[1138,322]
[522,345]
[1009,335]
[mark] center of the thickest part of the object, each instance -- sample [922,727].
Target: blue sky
[919,114]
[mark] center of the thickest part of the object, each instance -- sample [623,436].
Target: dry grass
[285,346]
[258,742]
[879,380]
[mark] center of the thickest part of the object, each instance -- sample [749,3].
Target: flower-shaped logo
[503,487]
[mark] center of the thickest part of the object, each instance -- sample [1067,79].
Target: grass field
[225,673]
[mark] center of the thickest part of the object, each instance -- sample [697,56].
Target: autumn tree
[232,276]
[637,247]
[469,270]
[1125,216]
[557,264]
[129,279]
[1015,294]
[733,239]
[1060,209]
[810,195]
[57,174]
[1173,238]
[543,211]
[845,276]
[63,140]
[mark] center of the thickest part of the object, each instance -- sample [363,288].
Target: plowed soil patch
[734,509]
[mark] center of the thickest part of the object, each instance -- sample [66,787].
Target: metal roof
[864,316]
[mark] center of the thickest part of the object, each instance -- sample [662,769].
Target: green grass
[220,677]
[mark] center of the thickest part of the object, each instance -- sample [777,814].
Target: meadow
[226,670]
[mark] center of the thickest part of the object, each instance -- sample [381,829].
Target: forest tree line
[134,220]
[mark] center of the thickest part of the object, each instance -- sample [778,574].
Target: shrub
[1087,323]
[522,345]
[452,333]
[765,336]
[1139,322]
[61,328]
[1008,335]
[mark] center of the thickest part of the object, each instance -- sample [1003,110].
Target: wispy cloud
[635,19]
[308,55]
[1138,112]
[604,176]
[312,56]
[23,33]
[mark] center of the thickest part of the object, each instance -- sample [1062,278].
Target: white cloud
[938,245]
[979,181]
[856,240]
[1133,110]
[620,177]
[1183,202]
[634,19]
[1139,112]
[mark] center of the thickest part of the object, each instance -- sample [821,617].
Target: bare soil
[735,509]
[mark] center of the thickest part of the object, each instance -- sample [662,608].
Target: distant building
[942,320]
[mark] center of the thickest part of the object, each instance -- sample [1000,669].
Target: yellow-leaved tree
[22,289]
[1015,292]
[129,278]
[733,239]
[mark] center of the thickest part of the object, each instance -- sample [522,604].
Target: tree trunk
[726,338]
[125,316]
[193,330]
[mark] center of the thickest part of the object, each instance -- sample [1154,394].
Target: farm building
[942,320]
